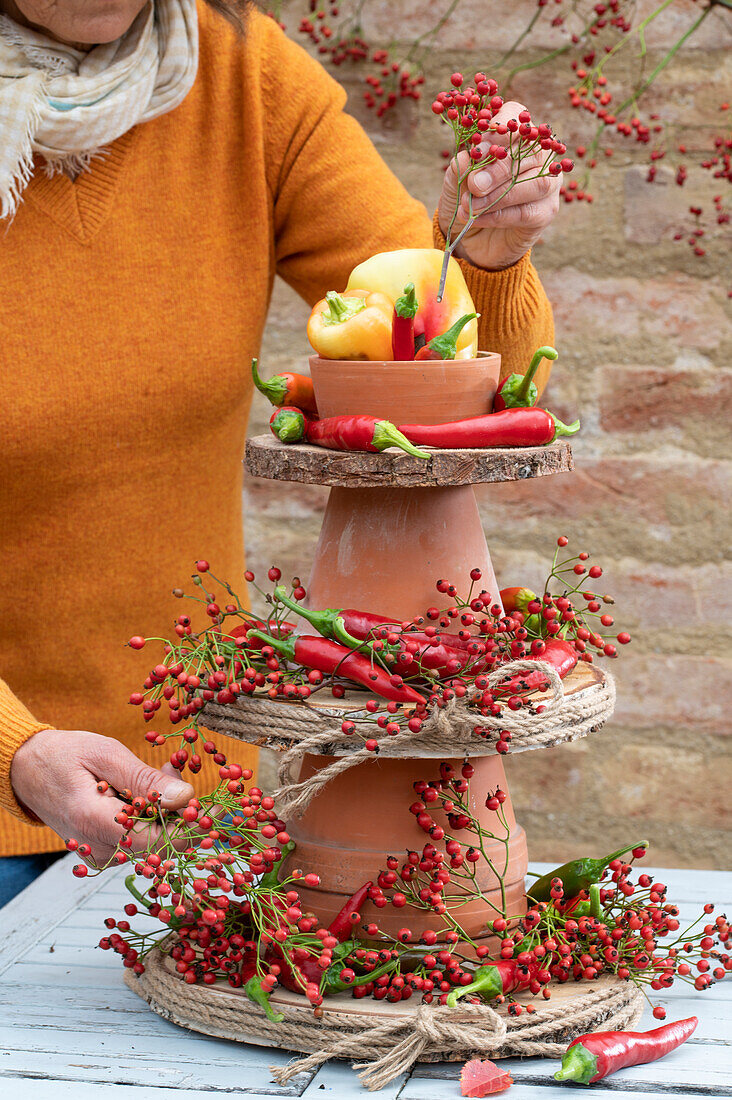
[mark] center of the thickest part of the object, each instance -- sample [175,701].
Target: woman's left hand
[500,238]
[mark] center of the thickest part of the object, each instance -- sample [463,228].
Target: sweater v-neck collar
[82,206]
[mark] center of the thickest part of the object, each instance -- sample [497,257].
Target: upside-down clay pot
[383,549]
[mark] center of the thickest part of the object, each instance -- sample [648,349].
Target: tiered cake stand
[393,525]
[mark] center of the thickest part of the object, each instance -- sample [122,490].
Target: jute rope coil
[448,730]
[382,1050]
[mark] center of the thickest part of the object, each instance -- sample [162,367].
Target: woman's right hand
[55,773]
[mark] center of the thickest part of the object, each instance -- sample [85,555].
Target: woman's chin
[83,22]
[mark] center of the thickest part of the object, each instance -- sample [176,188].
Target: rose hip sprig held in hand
[468,108]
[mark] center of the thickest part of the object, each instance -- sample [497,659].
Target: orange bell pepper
[390,272]
[353,325]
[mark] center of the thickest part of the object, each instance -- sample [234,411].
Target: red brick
[662,784]
[675,692]
[634,399]
[644,507]
[686,312]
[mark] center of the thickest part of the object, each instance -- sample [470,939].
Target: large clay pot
[428,392]
[383,549]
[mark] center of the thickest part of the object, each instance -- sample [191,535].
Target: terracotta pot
[428,392]
[384,549]
[363,816]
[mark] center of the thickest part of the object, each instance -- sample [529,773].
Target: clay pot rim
[482,355]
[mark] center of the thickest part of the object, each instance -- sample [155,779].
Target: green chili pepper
[329,622]
[255,993]
[519,391]
[578,875]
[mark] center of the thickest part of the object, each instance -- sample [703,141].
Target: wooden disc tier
[268,458]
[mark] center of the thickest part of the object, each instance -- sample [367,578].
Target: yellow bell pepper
[390,272]
[353,325]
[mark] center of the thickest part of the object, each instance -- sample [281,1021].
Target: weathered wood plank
[338,1080]
[164,1058]
[33,1088]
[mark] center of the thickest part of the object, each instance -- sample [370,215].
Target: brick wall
[643,329]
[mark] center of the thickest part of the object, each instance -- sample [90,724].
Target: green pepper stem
[387,434]
[522,393]
[271,879]
[488,982]
[255,993]
[563,429]
[407,305]
[274,389]
[337,985]
[288,425]
[578,1065]
[328,622]
[624,851]
[130,884]
[446,343]
[340,309]
[284,646]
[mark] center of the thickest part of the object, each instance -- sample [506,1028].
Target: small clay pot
[432,391]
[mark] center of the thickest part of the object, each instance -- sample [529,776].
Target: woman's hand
[55,775]
[500,237]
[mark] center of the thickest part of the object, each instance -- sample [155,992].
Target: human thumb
[174,791]
[120,767]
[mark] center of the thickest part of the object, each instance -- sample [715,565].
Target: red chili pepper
[342,924]
[592,1057]
[510,428]
[329,657]
[288,424]
[358,433]
[561,655]
[365,625]
[516,599]
[402,329]
[287,389]
[414,653]
[444,346]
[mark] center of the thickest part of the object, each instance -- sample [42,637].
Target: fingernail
[483,180]
[175,791]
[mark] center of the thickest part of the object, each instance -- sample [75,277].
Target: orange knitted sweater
[133,301]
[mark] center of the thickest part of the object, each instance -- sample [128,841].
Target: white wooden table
[71,1030]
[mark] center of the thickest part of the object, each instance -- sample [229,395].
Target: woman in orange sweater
[135,291]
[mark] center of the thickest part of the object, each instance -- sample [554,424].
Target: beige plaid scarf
[67,104]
